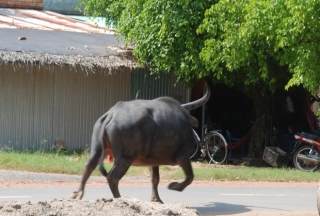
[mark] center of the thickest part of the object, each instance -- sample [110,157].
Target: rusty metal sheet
[46,20]
[25,30]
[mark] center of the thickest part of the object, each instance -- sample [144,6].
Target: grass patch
[43,162]
[73,163]
[243,173]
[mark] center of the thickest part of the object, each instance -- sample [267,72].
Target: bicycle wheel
[217,148]
[195,147]
[307,152]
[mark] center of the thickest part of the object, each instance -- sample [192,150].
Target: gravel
[98,207]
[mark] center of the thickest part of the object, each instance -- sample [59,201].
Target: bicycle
[214,146]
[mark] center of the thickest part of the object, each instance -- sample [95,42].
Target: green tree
[238,41]
[249,37]
[163,31]
[266,45]
[256,45]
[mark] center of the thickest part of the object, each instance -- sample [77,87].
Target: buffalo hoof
[76,195]
[176,186]
[157,200]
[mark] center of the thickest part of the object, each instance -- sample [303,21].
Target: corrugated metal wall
[80,99]
[156,86]
[40,105]
[17,106]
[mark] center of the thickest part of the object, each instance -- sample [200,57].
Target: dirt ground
[105,207]
[146,182]
[121,206]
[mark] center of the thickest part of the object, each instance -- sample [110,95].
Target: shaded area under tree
[266,117]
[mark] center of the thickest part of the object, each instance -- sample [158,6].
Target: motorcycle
[306,152]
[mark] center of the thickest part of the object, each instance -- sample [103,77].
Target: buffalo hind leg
[118,170]
[89,167]
[185,164]
[155,177]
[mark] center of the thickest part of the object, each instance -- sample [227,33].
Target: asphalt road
[207,200]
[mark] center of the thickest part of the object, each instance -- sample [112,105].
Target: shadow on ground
[218,208]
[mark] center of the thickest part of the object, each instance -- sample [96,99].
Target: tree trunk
[261,135]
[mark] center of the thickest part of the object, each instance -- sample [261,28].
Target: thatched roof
[30,37]
[120,58]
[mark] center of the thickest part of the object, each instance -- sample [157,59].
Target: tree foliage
[260,40]
[163,31]
[265,43]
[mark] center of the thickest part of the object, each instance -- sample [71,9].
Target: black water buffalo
[143,133]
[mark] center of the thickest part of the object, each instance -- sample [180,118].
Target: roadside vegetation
[73,163]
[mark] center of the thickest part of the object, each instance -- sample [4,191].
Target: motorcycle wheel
[318,198]
[300,164]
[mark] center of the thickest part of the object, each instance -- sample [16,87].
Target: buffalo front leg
[187,168]
[89,167]
[155,177]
